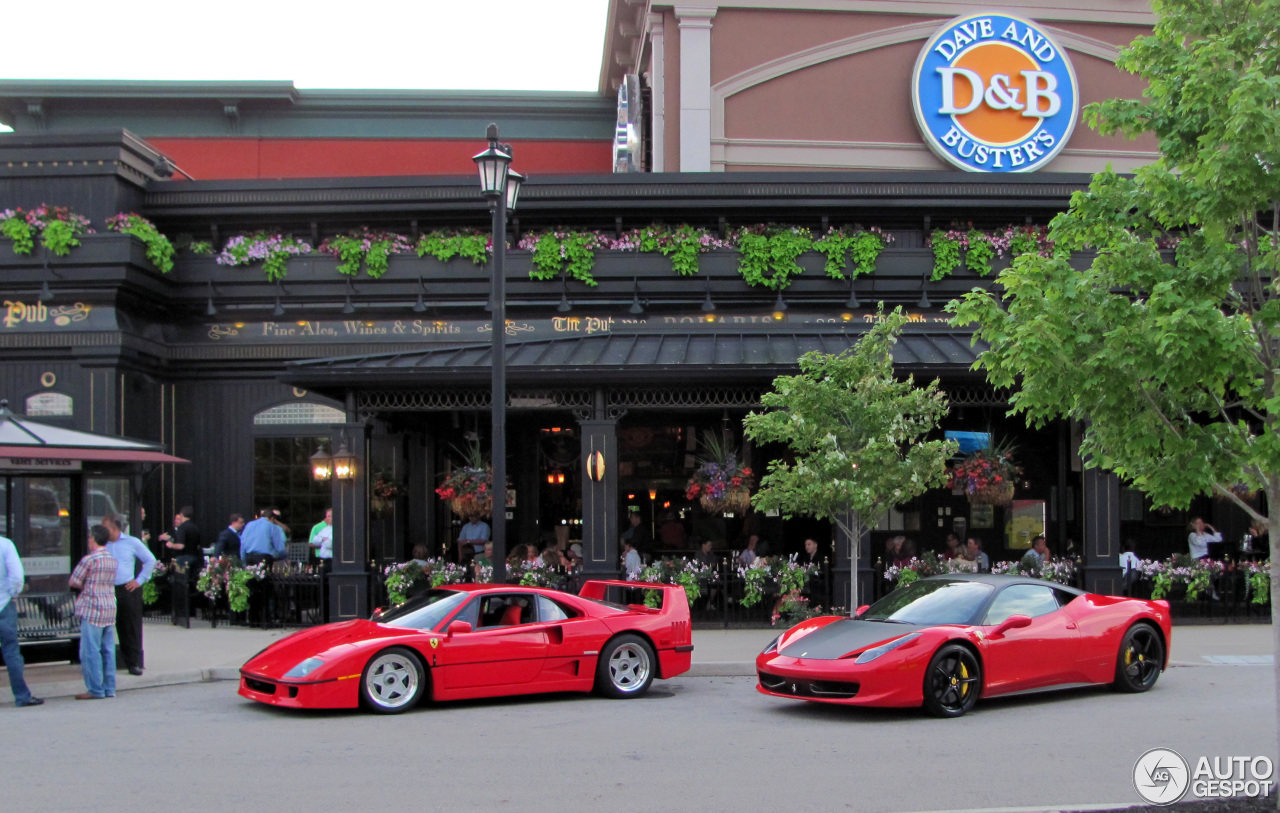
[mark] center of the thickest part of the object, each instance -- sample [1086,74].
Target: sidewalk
[201,654]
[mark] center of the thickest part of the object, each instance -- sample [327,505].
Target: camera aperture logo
[1161,776]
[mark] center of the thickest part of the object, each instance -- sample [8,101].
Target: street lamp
[501,187]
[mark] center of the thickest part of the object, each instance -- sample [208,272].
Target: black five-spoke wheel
[952,682]
[1140,660]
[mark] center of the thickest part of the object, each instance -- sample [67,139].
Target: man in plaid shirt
[95,578]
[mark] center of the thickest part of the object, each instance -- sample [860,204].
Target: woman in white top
[1201,535]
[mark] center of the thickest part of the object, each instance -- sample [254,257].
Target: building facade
[730,116]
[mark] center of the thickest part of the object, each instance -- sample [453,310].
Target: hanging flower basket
[987,475]
[721,483]
[996,494]
[469,488]
[734,501]
[472,505]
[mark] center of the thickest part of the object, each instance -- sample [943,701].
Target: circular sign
[1161,776]
[994,93]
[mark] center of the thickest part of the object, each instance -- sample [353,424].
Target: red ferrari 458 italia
[470,640]
[945,641]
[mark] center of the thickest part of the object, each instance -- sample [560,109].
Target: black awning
[631,358]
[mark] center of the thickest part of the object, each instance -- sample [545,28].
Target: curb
[721,669]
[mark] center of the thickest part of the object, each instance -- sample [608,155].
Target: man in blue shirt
[129,552]
[476,532]
[12,579]
[262,540]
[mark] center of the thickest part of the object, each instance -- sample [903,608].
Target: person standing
[129,552]
[638,535]
[184,544]
[12,580]
[262,540]
[475,533]
[95,577]
[631,564]
[322,538]
[228,543]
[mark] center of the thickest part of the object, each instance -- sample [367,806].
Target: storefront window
[108,495]
[47,554]
[282,479]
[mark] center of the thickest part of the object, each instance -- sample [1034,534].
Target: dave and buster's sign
[994,93]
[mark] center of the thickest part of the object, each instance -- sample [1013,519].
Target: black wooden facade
[636,365]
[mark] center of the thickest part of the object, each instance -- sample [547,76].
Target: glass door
[46,550]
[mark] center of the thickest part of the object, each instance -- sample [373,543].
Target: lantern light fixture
[321,466]
[344,462]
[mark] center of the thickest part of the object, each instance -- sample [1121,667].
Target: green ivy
[20,232]
[682,245]
[350,254]
[769,255]
[59,236]
[839,245]
[1023,241]
[160,250]
[946,254]
[445,245]
[570,253]
[980,253]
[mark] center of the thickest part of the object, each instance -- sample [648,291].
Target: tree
[856,433]
[1172,367]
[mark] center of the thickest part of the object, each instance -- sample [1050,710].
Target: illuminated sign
[994,93]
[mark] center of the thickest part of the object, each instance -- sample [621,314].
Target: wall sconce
[555,478]
[321,466]
[344,462]
[595,466]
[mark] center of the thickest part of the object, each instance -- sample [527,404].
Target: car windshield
[931,601]
[425,611]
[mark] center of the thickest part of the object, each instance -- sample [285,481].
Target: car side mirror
[458,627]
[1013,622]
[858,612]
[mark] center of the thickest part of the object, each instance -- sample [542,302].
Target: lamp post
[501,187]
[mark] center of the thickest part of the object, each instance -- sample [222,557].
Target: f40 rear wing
[674,599]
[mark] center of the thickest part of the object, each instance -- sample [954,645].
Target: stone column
[657,91]
[695,88]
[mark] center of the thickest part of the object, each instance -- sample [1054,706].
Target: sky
[428,44]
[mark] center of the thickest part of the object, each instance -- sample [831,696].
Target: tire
[952,682]
[1140,660]
[626,667]
[393,681]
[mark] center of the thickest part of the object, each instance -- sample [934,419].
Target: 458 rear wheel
[1140,660]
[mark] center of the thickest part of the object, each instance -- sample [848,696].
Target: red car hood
[331,642]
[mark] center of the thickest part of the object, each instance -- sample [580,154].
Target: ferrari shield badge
[435,642]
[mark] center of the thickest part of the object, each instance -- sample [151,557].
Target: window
[504,611]
[49,404]
[548,610]
[302,412]
[282,478]
[1022,599]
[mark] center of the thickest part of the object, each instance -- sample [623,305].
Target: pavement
[201,654]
